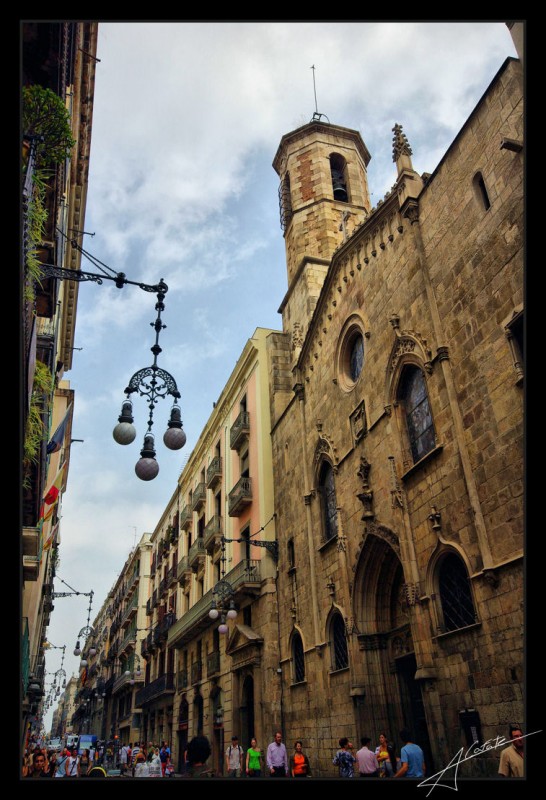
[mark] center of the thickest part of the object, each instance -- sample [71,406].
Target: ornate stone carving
[397,493]
[411,593]
[366,495]
[325,448]
[372,641]
[406,342]
[435,519]
[297,336]
[358,422]
[412,212]
[400,144]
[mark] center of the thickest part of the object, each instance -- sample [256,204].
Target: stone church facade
[398,439]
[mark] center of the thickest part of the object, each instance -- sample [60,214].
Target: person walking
[73,765]
[254,759]
[277,757]
[234,758]
[344,758]
[62,758]
[368,765]
[124,758]
[37,769]
[165,757]
[412,759]
[386,757]
[155,765]
[196,754]
[86,763]
[299,762]
[511,758]
[51,767]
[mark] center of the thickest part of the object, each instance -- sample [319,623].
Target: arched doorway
[183,716]
[387,668]
[247,712]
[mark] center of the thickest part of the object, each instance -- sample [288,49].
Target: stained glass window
[455,594]
[328,491]
[418,414]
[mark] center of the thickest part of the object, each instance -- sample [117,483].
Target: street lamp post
[151,382]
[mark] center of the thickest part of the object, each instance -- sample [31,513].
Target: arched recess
[386,663]
[297,656]
[246,709]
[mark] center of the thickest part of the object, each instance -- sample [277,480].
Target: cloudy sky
[187,120]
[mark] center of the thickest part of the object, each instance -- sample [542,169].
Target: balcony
[149,607]
[197,555]
[124,680]
[128,640]
[162,628]
[130,611]
[183,570]
[31,568]
[181,679]
[155,598]
[240,431]
[195,620]
[214,530]
[153,567]
[163,685]
[162,587]
[214,472]
[240,497]
[196,672]
[150,644]
[186,518]
[213,663]
[133,578]
[171,576]
[199,496]
[31,541]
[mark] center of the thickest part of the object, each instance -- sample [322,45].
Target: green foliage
[37,218]
[45,114]
[35,428]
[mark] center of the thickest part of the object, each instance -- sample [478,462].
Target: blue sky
[187,120]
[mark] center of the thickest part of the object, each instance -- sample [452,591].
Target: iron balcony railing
[199,496]
[197,553]
[213,663]
[240,496]
[239,431]
[213,533]
[186,517]
[214,472]
[183,569]
[162,685]
[196,672]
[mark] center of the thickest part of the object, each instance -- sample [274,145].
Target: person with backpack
[234,758]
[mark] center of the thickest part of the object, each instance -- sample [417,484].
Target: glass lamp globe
[232,613]
[214,613]
[222,628]
[83,663]
[77,650]
[124,433]
[92,651]
[146,469]
[132,681]
[174,438]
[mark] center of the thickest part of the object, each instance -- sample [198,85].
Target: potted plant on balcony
[45,115]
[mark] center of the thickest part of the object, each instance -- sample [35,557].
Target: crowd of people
[368,761]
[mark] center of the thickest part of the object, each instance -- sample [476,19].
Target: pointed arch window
[418,416]
[285,202]
[298,658]
[339,179]
[455,594]
[338,643]
[327,490]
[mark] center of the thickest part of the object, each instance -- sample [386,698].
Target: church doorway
[413,708]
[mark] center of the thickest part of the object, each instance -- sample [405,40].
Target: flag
[52,493]
[57,439]
[49,541]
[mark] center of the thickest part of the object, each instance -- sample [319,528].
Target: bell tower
[323,195]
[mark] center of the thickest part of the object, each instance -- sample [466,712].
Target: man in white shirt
[73,765]
[234,758]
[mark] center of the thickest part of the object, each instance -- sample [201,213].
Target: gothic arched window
[298,658]
[339,181]
[329,503]
[455,594]
[414,398]
[338,643]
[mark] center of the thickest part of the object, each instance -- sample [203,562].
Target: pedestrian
[234,758]
[135,750]
[197,753]
[344,758]
[123,758]
[386,757]
[151,752]
[155,766]
[27,764]
[62,758]
[141,768]
[277,757]
[73,765]
[165,757]
[368,765]
[38,766]
[254,759]
[51,767]
[299,762]
[86,762]
[412,759]
[511,758]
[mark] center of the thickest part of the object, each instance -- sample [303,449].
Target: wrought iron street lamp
[151,382]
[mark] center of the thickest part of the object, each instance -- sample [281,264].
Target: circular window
[351,356]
